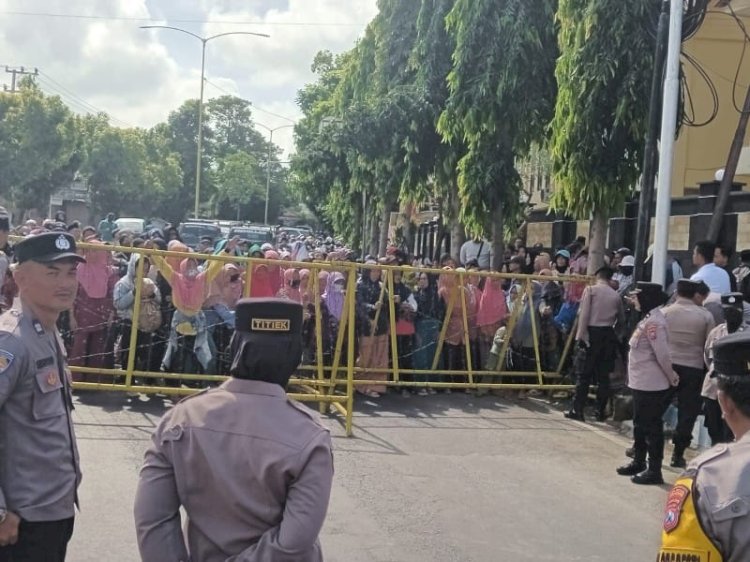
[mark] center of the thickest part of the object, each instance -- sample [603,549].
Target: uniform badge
[651,332]
[675,501]
[38,327]
[52,378]
[6,358]
[62,243]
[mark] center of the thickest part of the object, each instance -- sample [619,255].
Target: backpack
[742,274]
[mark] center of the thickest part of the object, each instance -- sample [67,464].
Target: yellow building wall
[701,151]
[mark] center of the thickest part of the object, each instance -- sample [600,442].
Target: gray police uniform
[39,467]
[252,468]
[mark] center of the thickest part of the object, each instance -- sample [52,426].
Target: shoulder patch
[651,331]
[676,499]
[6,359]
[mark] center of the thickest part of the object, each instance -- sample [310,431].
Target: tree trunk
[597,240]
[458,232]
[729,171]
[498,242]
[385,223]
[374,234]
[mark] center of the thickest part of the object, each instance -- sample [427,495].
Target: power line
[75,99]
[251,103]
[170,20]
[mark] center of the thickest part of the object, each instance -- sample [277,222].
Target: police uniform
[650,378]
[39,464]
[716,426]
[252,468]
[707,516]
[689,325]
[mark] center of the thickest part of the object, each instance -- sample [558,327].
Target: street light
[203,40]
[268,163]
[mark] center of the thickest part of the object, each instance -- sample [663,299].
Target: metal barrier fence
[337,361]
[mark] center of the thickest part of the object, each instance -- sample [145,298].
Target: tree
[604,76]
[502,89]
[37,146]
[237,179]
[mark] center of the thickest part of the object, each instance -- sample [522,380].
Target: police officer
[650,378]
[688,325]
[39,469]
[718,430]
[707,516]
[251,468]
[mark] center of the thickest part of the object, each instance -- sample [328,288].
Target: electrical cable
[170,20]
[688,115]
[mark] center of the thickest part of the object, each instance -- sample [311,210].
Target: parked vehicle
[192,232]
[253,234]
[136,226]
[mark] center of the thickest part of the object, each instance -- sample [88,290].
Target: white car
[136,226]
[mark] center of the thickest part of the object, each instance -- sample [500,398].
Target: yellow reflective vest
[683,538]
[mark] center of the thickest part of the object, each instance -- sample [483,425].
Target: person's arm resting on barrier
[294,538]
[157,505]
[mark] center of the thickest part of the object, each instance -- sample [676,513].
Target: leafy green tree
[37,146]
[604,77]
[502,89]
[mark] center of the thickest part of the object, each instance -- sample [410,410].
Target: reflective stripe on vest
[683,538]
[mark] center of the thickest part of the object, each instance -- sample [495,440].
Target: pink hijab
[95,273]
[260,285]
[188,293]
[274,271]
[289,292]
[492,306]
[176,246]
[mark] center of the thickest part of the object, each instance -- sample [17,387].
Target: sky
[98,58]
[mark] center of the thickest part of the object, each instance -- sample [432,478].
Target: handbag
[149,317]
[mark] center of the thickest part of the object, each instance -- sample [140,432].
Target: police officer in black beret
[708,511]
[252,468]
[38,488]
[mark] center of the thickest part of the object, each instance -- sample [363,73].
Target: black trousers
[717,428]
[689,403]
[39,541]
[648,424]
[600,362]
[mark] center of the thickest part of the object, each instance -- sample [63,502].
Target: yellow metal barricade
[330,373]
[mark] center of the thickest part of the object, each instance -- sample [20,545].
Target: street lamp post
[199,147]
[268,163]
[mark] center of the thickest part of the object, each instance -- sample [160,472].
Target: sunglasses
[234,278]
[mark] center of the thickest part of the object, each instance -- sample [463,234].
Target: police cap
[687,286]
[734,300]
[745,256]
[268,317]
[47,247]
[732,355]
[645,288]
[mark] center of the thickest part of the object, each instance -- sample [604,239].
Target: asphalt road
[424,479]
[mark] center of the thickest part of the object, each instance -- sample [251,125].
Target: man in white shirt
[712,275]
[477,249]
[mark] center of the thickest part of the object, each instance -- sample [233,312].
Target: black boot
[601,415]
[630,452]
[678,460]
[650,476]
[573,415]
[632,468]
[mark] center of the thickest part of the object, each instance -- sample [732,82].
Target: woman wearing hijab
[430,314]
[219,307]
[406,308]
[328,324]
[93,309]
[189,292]
[492,314]
[275,276]
[372,329]
[291,289]
[454,354]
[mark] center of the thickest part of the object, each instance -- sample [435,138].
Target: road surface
[425,479]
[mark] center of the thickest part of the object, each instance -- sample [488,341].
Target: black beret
[732,354]
[47,247]
[745,256]
[686,285]
[648,288]
[732,299]
[268,317]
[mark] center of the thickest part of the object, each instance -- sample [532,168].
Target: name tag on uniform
[46,362]
[270,325]
[682,555]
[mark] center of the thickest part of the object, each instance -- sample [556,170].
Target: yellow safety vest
[683,538]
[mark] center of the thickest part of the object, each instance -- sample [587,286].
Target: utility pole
[15,72]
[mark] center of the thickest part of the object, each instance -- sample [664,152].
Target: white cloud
[139,76]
